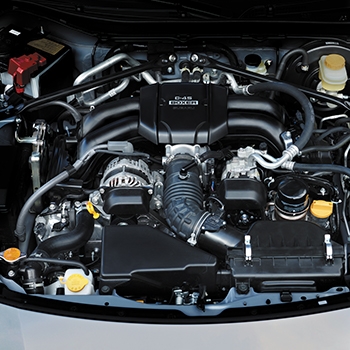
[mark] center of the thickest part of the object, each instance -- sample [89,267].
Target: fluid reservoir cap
[321,209]
[76,282]
[334,61]
[12,254]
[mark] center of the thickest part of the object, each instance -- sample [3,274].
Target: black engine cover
[183,113]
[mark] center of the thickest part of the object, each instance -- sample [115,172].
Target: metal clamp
[247,249]
[328,247]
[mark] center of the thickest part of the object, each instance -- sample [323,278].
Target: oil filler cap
[76,283]
[321,209]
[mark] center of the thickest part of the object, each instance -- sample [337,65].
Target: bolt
[150,191]
[52,206]
[323,191]
[170,70]
[172,58]
[105,289]
[11,273]
[77,204]
[102,190]
[194,58]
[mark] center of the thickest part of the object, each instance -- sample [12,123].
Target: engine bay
[173,173]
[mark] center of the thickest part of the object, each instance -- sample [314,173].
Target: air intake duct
[183,207]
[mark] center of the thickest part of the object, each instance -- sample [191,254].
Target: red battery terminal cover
[22,67]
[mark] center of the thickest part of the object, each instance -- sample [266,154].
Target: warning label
[46,45]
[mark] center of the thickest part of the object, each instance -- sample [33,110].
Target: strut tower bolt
[194,58]
[172,58]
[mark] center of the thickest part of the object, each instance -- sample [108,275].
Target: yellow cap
[321,209]
[334,62]
[90,208]
[76,282]
[12,254]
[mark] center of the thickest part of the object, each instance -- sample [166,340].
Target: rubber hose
[300,97]
[298,167]
[73,240]
[183,198]
[20,231]
[322,148]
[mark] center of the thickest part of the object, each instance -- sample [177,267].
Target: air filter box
[139,259]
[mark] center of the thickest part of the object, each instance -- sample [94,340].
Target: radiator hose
[76,238]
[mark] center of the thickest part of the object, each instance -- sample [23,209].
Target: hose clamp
[197,229]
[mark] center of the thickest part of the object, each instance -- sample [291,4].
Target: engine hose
[72,110]
[73,240]
[20,231]
[300,97]
[121,129]
[183,207]
[288,55]
[321,148]
[298,167]
[183,198]
[109,111]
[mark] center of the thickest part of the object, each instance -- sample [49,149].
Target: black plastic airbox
[183,113]
[287,255]
[138,259]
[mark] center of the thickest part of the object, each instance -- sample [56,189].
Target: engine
[175,177]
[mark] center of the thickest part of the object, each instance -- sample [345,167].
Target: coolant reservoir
[332,72]
[77,283]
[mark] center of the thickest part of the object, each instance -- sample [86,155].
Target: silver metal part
[103,66]
[46,221]
[127,173]
[157,197]
[242,165]
[173,150]
[328,247]
[287,139]
[198,228]
[37,141]
[247,248]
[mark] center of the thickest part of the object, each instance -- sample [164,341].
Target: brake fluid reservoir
[77,283]
[332,72]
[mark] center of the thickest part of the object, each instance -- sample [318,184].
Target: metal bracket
[328,247]
[287,139]
[247,249]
